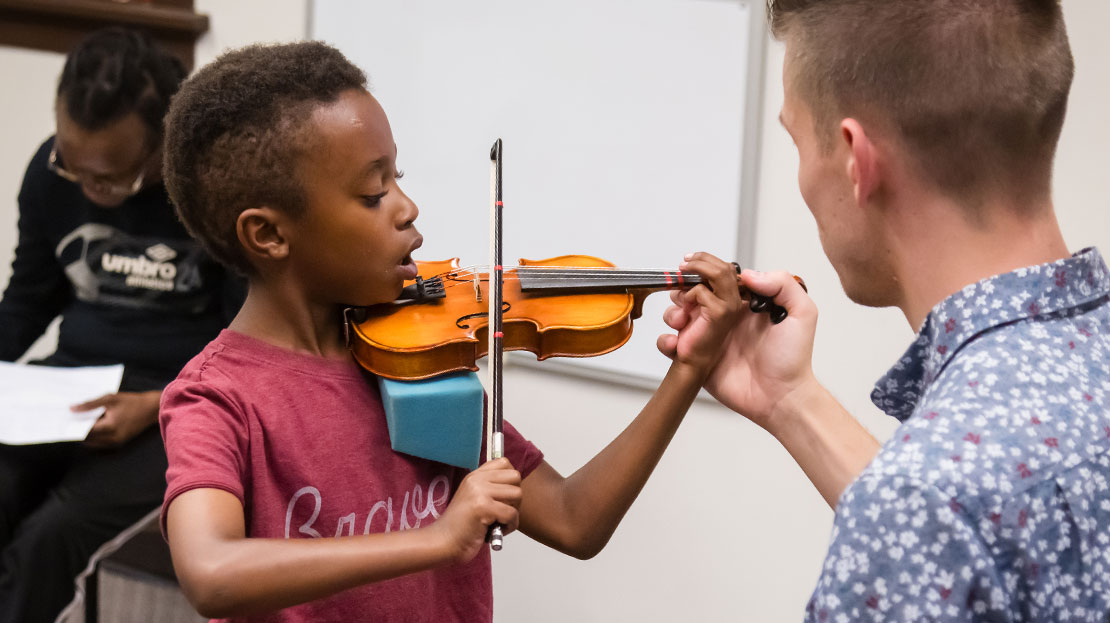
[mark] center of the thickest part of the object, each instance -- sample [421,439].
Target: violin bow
[495,439]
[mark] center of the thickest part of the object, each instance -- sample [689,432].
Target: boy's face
[354,242]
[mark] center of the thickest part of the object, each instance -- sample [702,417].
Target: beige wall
[728,529]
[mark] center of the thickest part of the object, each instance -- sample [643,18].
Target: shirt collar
[1034,291]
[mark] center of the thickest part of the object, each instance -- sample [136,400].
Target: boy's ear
[863,165]
[260,232]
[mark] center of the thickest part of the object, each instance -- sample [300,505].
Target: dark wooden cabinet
[56,25]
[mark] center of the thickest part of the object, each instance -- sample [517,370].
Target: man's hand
[126,414]
[708,313]
[762,364]
[489,494]
[766,374]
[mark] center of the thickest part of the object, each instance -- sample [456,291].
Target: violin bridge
[477,287]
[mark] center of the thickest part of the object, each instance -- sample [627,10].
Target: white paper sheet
[35,401]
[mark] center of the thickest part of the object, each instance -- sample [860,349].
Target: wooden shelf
[57,25]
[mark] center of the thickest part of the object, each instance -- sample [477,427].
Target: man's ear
[863,165]
[260,231]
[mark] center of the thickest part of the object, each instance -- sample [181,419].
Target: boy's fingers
[720,275]
[501,463]
[667,344]
[507,516]
[676,317]
[503,477]
[711,305]
[506,494]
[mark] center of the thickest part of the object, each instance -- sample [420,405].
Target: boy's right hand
[762,365]
[490,494]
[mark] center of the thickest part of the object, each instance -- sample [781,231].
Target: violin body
[409,340]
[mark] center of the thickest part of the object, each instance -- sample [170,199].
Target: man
[926,131]
[100,245]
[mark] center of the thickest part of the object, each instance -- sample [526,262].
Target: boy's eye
[372,201]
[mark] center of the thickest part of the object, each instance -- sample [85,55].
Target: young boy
[284,166]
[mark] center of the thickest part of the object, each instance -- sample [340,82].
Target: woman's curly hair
[114,72]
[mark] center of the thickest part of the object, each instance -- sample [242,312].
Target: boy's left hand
[712,313]
[126,414]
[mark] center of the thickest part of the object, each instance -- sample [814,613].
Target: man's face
[850,234]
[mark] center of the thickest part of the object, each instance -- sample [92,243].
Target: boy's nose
[407,213]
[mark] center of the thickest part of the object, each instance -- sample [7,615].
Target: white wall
[728,529]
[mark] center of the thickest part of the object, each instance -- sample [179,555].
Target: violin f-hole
[505,306]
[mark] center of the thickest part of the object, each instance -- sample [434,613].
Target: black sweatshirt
[129,283]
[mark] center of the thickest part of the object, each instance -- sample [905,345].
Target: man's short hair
[975,89]
[236,132]
[114,72]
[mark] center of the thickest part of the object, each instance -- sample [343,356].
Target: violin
[566,306]
[448,317]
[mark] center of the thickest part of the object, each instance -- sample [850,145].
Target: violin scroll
[759,303]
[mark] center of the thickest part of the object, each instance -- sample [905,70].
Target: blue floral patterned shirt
[991,502]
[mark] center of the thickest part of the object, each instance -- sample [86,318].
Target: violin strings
[469,281]
[464,277]
[572,272]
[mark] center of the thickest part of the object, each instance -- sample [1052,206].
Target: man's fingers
[781,287]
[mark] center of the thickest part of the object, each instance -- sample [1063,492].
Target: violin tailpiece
[423,290]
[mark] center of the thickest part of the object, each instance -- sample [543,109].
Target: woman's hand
[126,414]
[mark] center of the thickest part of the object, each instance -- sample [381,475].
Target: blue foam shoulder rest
[438,419]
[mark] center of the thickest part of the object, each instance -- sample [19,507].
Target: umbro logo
[161,253]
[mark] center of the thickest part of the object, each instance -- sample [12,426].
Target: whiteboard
[623,124]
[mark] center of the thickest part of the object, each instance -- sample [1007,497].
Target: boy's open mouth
[409,270]
[408,267]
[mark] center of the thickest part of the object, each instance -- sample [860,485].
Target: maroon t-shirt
[302,442]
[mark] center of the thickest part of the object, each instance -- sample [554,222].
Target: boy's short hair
[236,131]
[976,90]
[114,72]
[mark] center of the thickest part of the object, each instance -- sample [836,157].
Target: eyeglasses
[97,184]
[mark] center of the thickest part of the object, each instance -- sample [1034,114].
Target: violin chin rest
[439,419]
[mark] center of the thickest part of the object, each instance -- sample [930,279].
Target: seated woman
[99,244]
